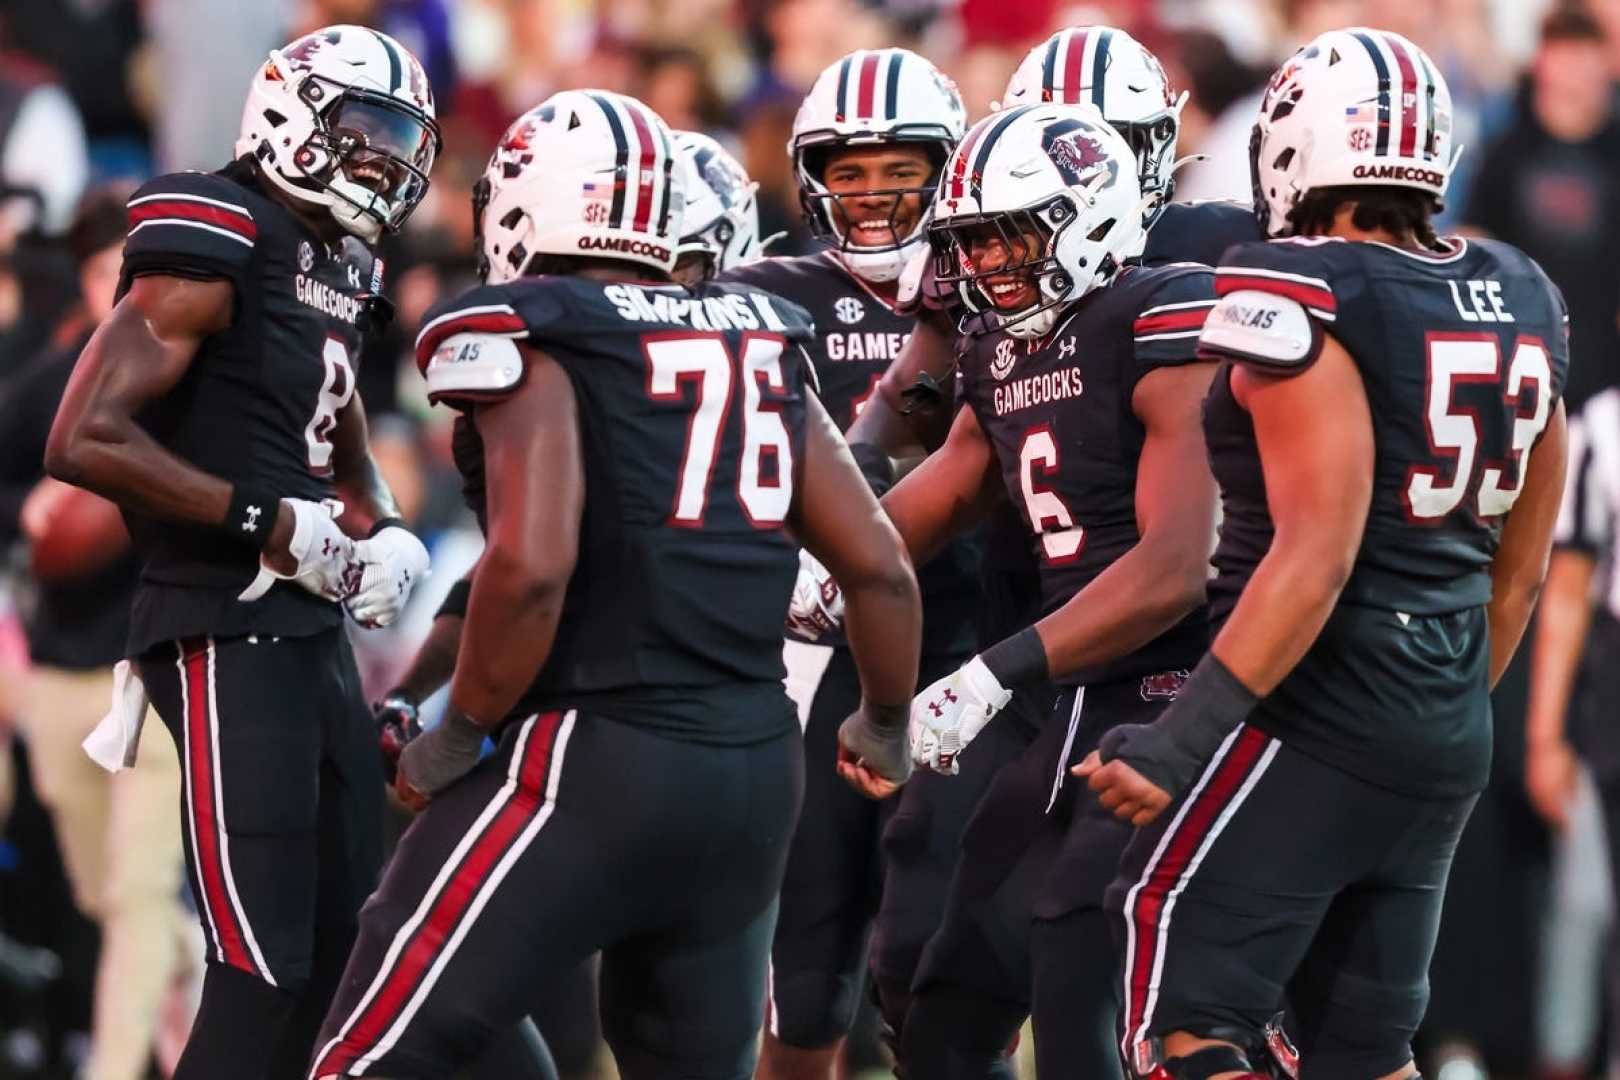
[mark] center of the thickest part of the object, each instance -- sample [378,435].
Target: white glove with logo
[392,562]
[949,714]
[326,560]
[817,606]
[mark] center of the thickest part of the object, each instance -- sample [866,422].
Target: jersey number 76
[680,362]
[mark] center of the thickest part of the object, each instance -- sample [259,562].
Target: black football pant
[281,812]
[1278,875]
[581,833]
[860,873]
[1024,932]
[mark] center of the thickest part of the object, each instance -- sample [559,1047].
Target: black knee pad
[952,1034]
[811,1010]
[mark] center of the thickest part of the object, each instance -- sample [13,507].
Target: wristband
[455,601]
[1174,749]
[1019,660]
[875,465]
[387,523]
[251,516]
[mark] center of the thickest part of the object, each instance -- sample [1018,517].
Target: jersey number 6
[675,361]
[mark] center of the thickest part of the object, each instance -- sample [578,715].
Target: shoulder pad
[192,224]
[472,366]
[1262,328]
[481,311]
[1296,268]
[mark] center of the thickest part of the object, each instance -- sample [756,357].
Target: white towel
[114,742]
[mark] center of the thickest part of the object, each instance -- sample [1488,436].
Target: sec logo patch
[849,309]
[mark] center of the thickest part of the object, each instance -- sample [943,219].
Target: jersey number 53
[1481,468]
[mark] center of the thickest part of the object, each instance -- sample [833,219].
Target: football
[71,532]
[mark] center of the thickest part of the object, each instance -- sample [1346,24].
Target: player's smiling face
[991,249]
[871,210]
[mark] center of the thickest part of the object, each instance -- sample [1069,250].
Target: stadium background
[96,95]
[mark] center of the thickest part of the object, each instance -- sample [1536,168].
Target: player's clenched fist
[946,716]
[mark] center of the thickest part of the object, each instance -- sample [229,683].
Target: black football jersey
[260,400]
[691,407]
[857,332]
[857,335]
[1463,354]
[1058,413]
[1199,232]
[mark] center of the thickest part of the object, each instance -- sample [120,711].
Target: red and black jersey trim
[177,209]
[498,319]
[1313,293]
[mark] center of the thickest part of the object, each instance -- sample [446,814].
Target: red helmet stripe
[1408,100]
[868,84]
[649,156]
[963,152]
[1073,62]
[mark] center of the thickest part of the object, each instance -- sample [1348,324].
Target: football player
[1111,71]
[217,407]
[1107,69]
[1083,400]
[721,227]
[650,455]
[867,146]
[1388,434]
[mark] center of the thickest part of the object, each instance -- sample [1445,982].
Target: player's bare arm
[903,427]
[837,519]
[536,478]
[1315,436]
[365,493]
[1520,565]
[1562,622]
[1160,580]
[948,493]
[139,354]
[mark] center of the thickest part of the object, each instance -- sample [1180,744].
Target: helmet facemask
[1028,240]
[829,212]
[369,151]
[1154,144]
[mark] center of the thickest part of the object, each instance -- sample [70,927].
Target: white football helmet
[872,98]
[1120,78]
[722,214]
[1355,107]
[343,118]
[587,173]
[1058,171]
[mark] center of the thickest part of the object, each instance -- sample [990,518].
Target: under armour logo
[252,522]
[1066,348]
[938,707]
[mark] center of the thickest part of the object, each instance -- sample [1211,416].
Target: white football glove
[946,716]
[326,561]
[392,562]
[817,607]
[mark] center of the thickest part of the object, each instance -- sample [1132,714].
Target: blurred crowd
[96,95]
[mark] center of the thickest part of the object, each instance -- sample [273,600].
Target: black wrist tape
[875,465]
[455,601]
[251,517]
[387,523]
[1019,660]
